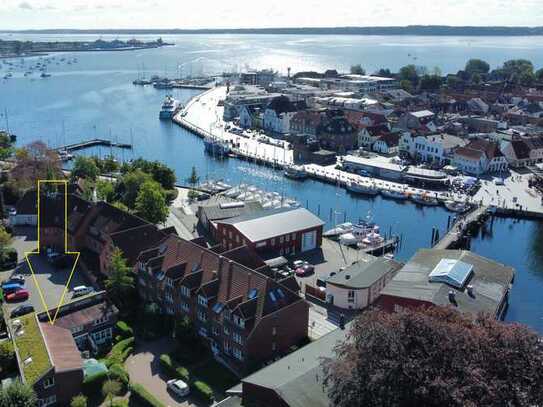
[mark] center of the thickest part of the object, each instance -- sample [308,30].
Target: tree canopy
[120,281]
[85,167]
[151,203]
[158,171]
[357,70]
[477,66]
[18,395]
[33,162]
[435,357]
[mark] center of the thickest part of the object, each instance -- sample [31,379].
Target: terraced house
[245,317]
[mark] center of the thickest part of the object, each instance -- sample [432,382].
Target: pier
[92,143]
[458,230]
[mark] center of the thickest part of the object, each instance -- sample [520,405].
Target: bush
[203,391]
[120,352]
[122,329]
[92,385]
[79,401]
[172,370]
[143,397]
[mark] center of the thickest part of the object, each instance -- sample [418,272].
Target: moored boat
[295,172]
[395,194]
[425,199]
[339,230]
[359,188]
[455,206]
[169,107]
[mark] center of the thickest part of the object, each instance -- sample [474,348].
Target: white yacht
[169,107]
[295,172]
[425,199]
[359,188]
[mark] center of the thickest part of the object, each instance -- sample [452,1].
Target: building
[422,120]
[337,134]
[457,278]
[209,214]
[245,95]
[387,144]
[279,112]
[370,134]
[360,284]
[283,231]
[478,157]
[250,116]
[306,121]
[523,151]
[26,211]
[436,149]
[245,317]
[261,78]
[50,355]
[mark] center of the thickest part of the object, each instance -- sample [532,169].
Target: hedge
[172,370]
[143,397]
[122,329]
[203,391]
[118,372]
[92,385]
[120,352]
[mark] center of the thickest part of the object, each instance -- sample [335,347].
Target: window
[169,283]
[239,321]
[47,401]
[274,331]
[237,353]
[216,330]
[281,239]
[294,236]
[237,338]
[185,291]
[49,382]
[169,297]
[202,316]
[287,238]
[100,320]
[350,296]
[272,242]
[185,307]
[227,314]
[202,332]
[202,301]
[76,329]
[226,331]
[226,347]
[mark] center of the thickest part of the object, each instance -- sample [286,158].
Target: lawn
[218,377]
[31,344]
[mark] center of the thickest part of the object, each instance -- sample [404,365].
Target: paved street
[51,280]
[144,368]
[319,325]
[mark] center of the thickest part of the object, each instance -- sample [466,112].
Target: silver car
[179,387]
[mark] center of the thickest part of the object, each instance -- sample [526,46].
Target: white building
[479,157]
[434,148]
[26,211]
[278,113]
[360,284]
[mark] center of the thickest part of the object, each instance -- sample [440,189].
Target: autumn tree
[34,162]
[435,357]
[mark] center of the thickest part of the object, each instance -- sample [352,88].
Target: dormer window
[202,301]
[185,291]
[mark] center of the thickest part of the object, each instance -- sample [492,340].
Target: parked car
[19,295]
[305,270]
[15,279]
[22,310]
[179,387]
[11,288]
[82,290]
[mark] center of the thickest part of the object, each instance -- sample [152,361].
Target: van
[82,290]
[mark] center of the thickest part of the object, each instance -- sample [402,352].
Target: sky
[40,14]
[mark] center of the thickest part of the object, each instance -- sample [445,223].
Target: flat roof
[376,162]
[270,223]
[364,274]
[490,281]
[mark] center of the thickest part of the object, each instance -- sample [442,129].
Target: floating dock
[92,143]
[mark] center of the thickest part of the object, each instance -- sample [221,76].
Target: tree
[406,85]
[105,190]
[34,162]
[151,203]
[8,361]
[357,70]
[476,78]
[85,167]
[120,282]
[5,239]
[18,395]
[110,389]
[435,357]
[79,401]
[430,82]
[453,81]
[409,73]
[194,178]
[129,186]
[385,72]
[6,145]
[477,66]
[539,75]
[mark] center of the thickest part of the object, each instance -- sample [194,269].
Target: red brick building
[283,231]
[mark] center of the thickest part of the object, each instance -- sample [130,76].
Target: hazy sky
[21,14]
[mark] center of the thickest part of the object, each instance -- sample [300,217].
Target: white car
[179,387]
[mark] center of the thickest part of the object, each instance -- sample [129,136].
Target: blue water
[95,98]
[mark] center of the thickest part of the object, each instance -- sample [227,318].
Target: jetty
[92,143]
[459,228]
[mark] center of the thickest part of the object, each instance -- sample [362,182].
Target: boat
[169,107]
[359,188]
[424,199]
[380,247]
[395,194]
[348,239]
[45,75]
[163,84]
[295,172]
[215,147]
[455,206]
[339,230]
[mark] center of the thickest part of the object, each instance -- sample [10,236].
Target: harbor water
[94,98]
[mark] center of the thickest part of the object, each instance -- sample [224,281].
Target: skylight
[218,307]
[452,272]
[253,293]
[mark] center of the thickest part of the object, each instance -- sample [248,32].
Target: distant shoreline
[416,30]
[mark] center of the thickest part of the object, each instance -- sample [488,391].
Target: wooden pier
[458,230]
[92,143]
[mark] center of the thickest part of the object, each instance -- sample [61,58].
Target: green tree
[120,283]
[476,78]
[6,145]
[435,357]
[539,75]
[357,70]
[409,73]
[385,72]
[194,178]
[110,389]
[79,401]
[478,66]
[130,184]
[406,85]
[105,190]
[18,395]
[8,361]
[5,239]
[430,82]
[453,81]
[151,203]
[85,167]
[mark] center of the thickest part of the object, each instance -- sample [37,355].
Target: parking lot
[51,280]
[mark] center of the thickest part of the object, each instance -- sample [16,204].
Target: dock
[458,230]
[92,143]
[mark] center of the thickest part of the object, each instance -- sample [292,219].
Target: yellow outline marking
[66,251]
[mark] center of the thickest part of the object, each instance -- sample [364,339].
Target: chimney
[471,290]
[342,322]
[452,296]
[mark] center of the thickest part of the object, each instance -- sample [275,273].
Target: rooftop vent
[348,277]
[27,361]
[452,272]
[452,296]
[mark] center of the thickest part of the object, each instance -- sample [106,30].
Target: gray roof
[216,212]
[490,281]
[297,378]
[364,274]
[422,113]
[267,224]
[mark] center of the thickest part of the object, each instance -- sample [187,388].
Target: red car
[18,295]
